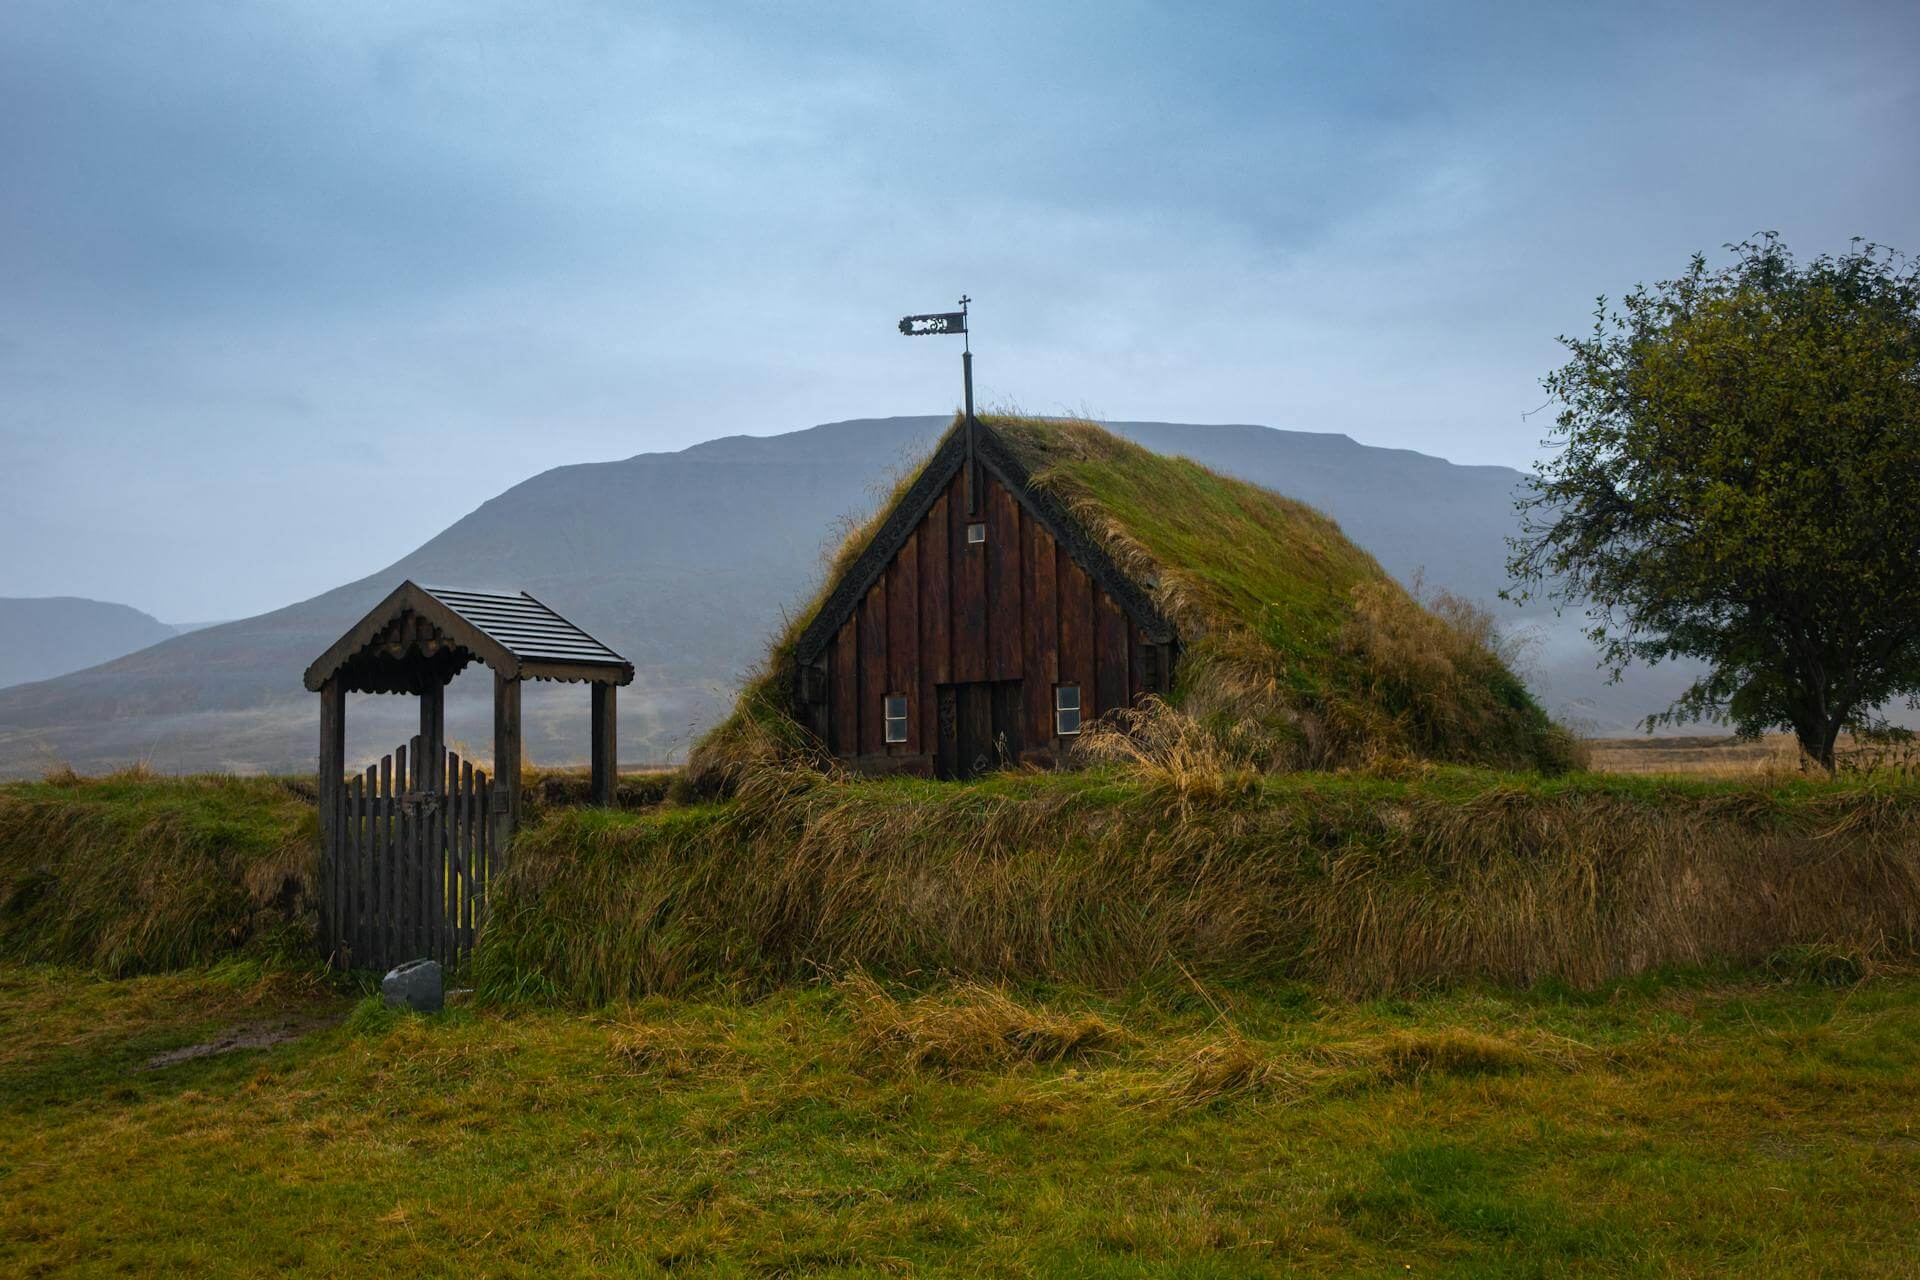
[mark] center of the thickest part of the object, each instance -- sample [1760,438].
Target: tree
[1737,479]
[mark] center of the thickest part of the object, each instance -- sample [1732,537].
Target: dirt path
[261,1034]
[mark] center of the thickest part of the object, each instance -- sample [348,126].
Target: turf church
[981,627]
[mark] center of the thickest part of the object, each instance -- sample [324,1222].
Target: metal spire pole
[951,322]
[966,367]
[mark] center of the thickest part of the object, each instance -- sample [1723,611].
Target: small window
[896,717]
[977,532]
[1066,709]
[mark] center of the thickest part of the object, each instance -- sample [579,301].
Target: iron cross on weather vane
[941,322]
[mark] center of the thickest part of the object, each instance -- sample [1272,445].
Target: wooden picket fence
[411,846]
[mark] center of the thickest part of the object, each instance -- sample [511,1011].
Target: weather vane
[944,322]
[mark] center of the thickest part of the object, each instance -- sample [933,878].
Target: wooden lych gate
[412,844]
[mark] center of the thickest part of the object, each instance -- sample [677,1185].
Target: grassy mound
[134,872]
[1359,884]
[1298,650]
[1105,878]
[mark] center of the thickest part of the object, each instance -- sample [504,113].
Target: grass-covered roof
[1297,649]
[1226,554]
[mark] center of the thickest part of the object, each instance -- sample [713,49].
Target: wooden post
[606,749]
[333,742]
[433,728]
[506,746]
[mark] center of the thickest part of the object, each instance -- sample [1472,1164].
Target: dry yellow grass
[972,1027]
[1775,755]
[1364,883]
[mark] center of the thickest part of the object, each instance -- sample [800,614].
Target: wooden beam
[433,725]
[606,746]
[333,742]
[577,672]
[506,745]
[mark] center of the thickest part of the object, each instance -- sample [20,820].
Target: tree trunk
[1817,741]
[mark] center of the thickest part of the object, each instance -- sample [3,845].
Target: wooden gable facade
[964,640]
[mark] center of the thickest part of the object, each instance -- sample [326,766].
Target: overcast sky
[287,288]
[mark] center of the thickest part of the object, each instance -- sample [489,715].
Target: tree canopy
[1735,477]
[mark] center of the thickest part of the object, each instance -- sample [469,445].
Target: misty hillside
[46,636]
[683,562]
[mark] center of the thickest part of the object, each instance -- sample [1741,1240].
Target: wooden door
[979,729]
[1007,719]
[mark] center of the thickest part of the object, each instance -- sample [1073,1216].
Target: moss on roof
[1296,647]
[1224,552]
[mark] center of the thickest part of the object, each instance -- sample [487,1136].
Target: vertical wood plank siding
[873,667]
[946,611]
[969,631]
[1041,627]
[936,617]
[408,859]
[1076,628]
[1112,671]
[843,689]
[1003,559]
[903,635]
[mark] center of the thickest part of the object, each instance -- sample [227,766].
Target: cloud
[266,267]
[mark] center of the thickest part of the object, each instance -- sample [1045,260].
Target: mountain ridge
[683,561]
[43,637]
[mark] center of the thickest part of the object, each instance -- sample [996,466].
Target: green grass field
[1699,1125]
[1417,1023]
